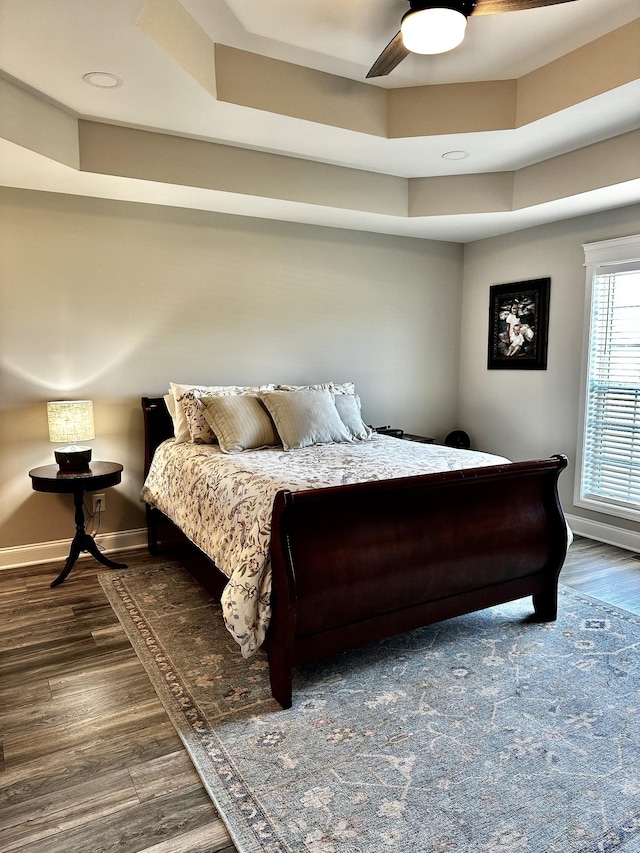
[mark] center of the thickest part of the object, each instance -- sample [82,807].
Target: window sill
[617,510]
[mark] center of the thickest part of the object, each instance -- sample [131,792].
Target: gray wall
[109,301]
[529,414]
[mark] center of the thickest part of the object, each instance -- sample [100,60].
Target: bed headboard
[158,426]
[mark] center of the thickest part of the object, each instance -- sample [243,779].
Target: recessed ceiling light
[455,155]
[102,79]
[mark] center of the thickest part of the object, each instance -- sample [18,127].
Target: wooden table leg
[82,541]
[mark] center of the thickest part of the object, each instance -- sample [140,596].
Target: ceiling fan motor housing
[466,7]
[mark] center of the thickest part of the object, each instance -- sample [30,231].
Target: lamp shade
[434,30]
[70,420]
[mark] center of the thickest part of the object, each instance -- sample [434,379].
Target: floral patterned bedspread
[223,503]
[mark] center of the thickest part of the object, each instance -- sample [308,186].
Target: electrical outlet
[99,503]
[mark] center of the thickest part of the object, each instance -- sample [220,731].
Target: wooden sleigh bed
[356,563]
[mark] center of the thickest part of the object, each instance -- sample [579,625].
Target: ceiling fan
[436,27]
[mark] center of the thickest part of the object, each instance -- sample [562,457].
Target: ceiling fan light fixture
[431,31]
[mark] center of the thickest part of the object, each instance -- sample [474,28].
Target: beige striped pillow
[240,422]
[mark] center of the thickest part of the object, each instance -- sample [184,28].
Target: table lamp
[72,421]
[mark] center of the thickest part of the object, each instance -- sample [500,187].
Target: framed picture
[519,325]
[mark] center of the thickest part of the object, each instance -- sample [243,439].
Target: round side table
[101,475]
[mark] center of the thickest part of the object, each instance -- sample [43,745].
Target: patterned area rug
[483,734]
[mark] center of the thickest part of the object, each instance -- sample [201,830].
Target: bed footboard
[357,563]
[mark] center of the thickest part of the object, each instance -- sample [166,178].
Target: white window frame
[614,256]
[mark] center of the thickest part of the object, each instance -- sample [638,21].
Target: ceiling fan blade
[491,7]
[392,55]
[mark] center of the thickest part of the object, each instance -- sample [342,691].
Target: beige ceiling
[262,108]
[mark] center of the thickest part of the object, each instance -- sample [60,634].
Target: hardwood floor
[604,572]
[89,761]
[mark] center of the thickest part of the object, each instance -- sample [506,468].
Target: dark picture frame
[519,325]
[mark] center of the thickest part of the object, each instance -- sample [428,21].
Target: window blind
[611,441]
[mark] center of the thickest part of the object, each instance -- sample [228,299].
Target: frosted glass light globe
[433,30]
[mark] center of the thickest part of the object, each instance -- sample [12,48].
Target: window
[608,473]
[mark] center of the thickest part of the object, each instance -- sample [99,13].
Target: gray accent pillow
[306,417]
[240,422]
[349,411]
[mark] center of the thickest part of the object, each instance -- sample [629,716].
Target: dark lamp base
[72,460]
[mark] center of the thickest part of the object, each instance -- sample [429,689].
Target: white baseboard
[607,533]
[45,552]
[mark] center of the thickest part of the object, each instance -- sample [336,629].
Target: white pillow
[320,386]
[189,422]
[348,406]
[185,400]
[305,417]
[170,403]
[240,422]
[341,388]
[345,388]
